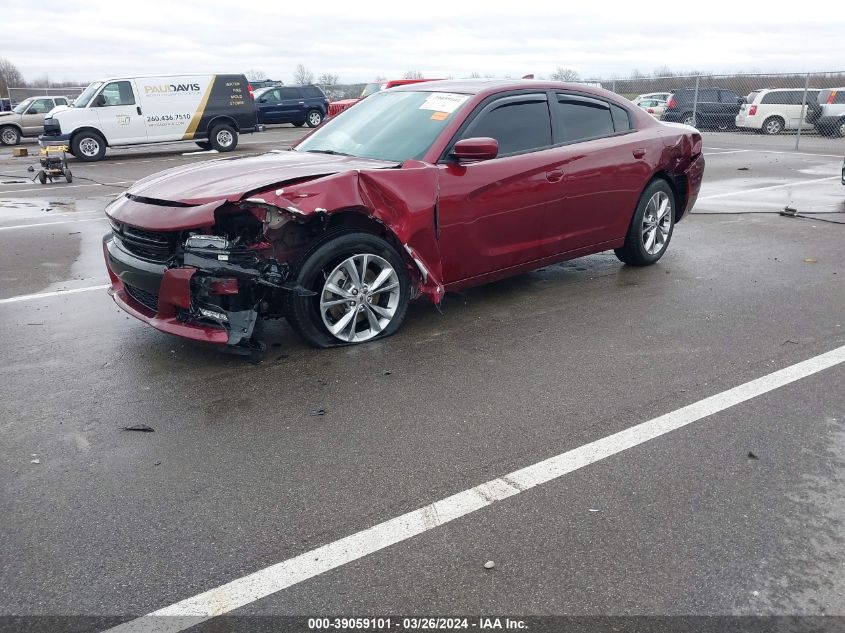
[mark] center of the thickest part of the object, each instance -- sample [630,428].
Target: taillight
[752,110]
[831,96]
[249,90]
[671,103]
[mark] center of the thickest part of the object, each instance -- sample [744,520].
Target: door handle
[554,175]
[138,108]
[638,153]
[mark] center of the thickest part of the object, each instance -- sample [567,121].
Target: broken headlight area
[233,284]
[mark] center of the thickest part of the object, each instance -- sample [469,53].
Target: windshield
[83,99]
[23,105]
[393,126]
[370,89]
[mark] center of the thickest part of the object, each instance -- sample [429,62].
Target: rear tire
[839,130]
[689,119]
[223,138]
[352,303]
[651,227]
[773,125]
[10,135]
[314,118]
[298,123]
[88,146]
[68,175]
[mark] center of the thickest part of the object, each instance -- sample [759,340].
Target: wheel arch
[89,128]
[221,118]
[13,124]
[678,184]
[357,218]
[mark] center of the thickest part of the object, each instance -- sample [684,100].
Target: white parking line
[267,581]
[787,184]
[719,153]
[29,226]
[763,150]
[55,293]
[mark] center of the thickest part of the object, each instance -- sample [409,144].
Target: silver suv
[27,118]
[828,114]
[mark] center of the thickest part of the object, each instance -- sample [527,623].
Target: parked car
[773,110]
[210,110]
[27,118]
[827,114]
[336,107]
[652,96]
[299,105]
[654,107]
[5,104]
[416,191]
[715,108]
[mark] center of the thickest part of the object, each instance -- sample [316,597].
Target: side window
[118,93]
[621,119]
[840,97]
[584,118]
[708,95]
[40,106]
[290,93]
[518,125]
[312,92]
[271,96]
[726,96]
[61,101]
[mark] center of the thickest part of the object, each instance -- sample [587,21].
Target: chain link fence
[16,95]
[810,104]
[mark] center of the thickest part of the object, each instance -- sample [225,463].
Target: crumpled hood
[231,178]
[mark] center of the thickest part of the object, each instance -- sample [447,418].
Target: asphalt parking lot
[731,507]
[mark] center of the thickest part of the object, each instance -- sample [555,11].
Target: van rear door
[119,111]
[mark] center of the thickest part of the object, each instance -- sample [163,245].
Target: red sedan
[416,191]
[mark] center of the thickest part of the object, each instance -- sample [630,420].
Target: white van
[773,110]
[210,110]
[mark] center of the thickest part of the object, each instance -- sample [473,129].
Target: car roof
[492,86]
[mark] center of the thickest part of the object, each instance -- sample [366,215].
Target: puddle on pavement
[34,208]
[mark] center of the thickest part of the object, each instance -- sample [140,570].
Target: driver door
[491,213]
[121,118]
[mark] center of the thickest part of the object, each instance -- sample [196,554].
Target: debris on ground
[35,461]
[752,455]
[489,564]
[810,260]
[594,510]
[387,372]
[317,412]
[143,428]
[743,168]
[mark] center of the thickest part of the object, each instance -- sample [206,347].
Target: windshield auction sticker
[443,102]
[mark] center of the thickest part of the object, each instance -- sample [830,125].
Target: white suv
[828,113]
[773,110]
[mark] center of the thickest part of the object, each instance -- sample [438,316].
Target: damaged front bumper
[207,292]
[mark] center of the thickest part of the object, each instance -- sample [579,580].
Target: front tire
[10,135]
[651,227]
[203,145]
[88,146]
[839,130]
[223,138]
[298,123]
[362,290]
[314,118]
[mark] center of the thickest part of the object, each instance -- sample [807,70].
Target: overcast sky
[359,40]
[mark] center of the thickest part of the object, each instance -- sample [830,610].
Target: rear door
[600,159]
[292,106]
[119,112]
[491,213]
[32,121]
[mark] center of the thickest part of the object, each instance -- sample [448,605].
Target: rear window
[312,92]
[61,101]
[839,97]
[728,96]
[752,96]
[585,118]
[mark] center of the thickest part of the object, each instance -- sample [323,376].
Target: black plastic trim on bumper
[132,270]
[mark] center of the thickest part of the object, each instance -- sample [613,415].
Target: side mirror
[473,149]
[262,100]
